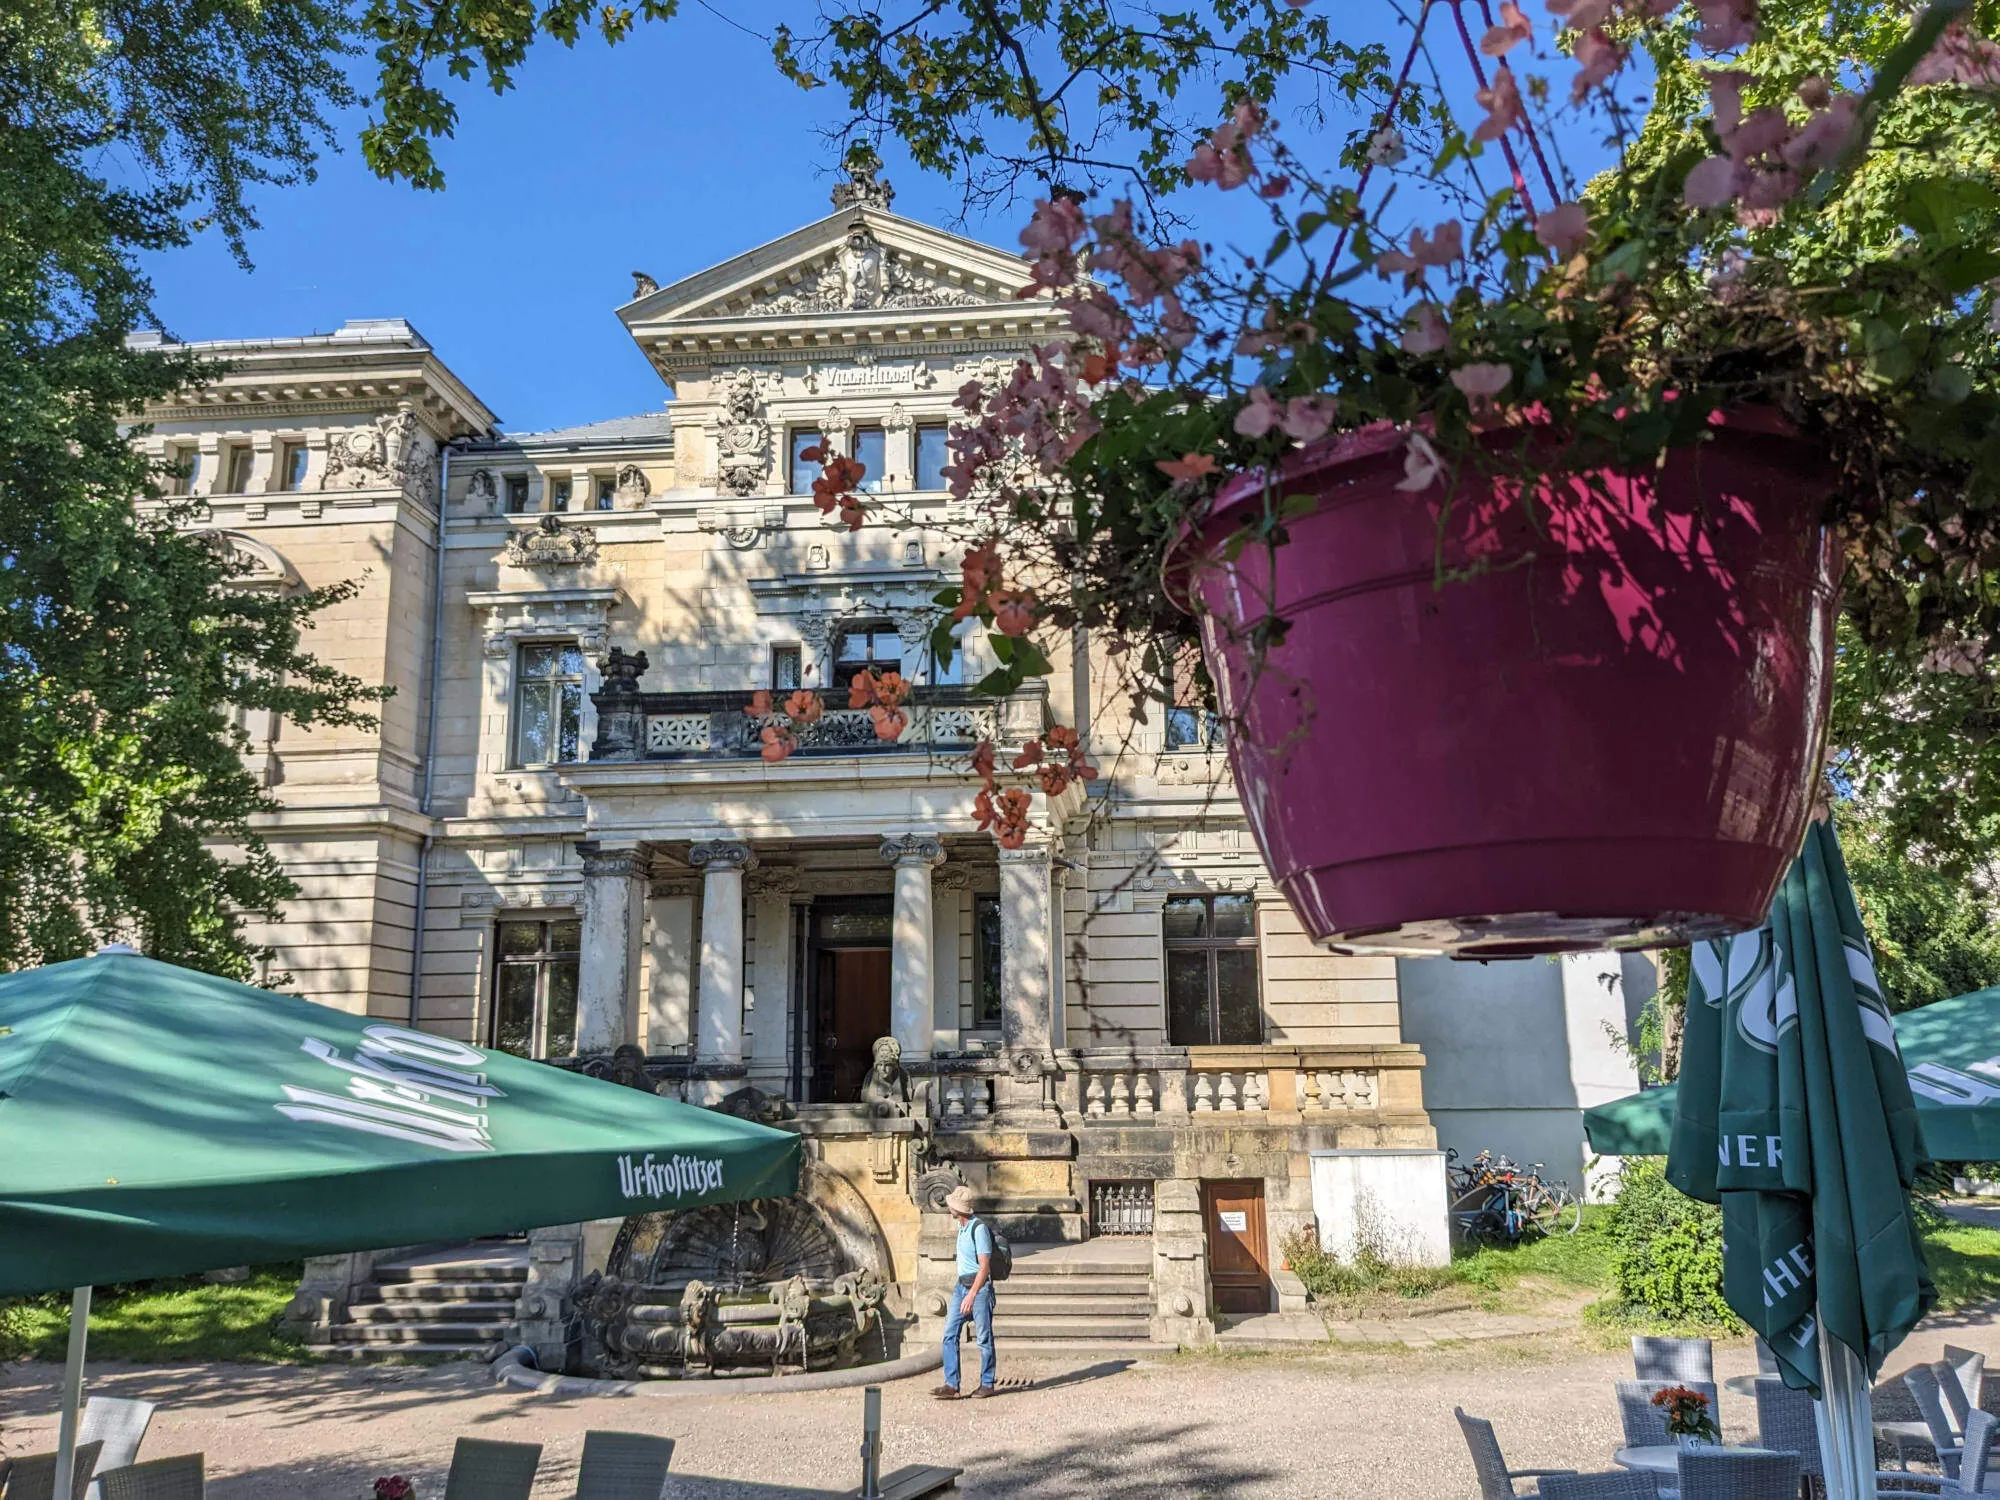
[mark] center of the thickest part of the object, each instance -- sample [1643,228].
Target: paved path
[1350,1423]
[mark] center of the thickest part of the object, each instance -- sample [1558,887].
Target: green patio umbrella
[156,1122]
[1952,1048]
[1795,1114]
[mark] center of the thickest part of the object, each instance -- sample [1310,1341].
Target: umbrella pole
[1845,1421]
[72,1391]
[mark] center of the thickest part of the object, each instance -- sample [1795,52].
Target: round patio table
[1665,1458]
[1746,1385]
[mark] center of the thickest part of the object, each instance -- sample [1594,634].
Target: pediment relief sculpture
[863,273]
[551,544]
[392,452]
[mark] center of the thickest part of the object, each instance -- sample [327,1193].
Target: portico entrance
[851,962]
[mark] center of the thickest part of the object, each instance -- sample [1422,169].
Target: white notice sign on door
[1235,1220]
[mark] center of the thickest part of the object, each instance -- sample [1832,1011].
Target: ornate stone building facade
[563,840]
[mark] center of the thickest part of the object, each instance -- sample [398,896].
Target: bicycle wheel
[1549,1209]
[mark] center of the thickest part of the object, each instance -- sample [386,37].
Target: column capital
[722,854]
[1034,852]
[913,849]
[629,863]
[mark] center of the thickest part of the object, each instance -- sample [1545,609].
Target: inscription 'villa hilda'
[408,1085]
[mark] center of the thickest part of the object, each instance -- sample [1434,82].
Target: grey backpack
[1000,1265]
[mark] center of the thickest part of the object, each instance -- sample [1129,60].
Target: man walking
[973,1299]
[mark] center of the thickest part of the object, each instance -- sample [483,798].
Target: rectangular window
[986,960]
[548,704]
[558,494]
[933,453]
[534,988]
[803,470]
[952,673]
[292,466]
[517,494]
[867,646]
[187,470]
[1213,994]
[785,668]
[607,491]
[236,476]
[871,449]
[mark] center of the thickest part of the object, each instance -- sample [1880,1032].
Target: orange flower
[804,706]
[1014,611]
[1054,780]
[889,722]
[1187,469]
[778,743]
[1062,737]
[982,761]
[891,688]
[861,690]
[759,706]
[1031,755]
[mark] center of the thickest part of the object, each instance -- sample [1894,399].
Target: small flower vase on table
[1690,1423]
[395,1487]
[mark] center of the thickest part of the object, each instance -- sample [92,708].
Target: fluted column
[719,1001]
[1027,948]
[914,855]
[607,978]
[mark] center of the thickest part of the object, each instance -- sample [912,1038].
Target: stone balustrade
[715,726]
[1127,1085]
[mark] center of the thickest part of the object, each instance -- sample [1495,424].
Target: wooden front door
[1238,1259]
[853,1012]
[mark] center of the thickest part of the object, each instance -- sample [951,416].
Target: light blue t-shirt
[974,1240]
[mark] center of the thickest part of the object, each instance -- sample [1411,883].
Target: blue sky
[672,151]
[668,153]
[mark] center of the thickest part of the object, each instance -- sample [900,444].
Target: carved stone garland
[551,544]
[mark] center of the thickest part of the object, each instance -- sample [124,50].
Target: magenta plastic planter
[1607,739]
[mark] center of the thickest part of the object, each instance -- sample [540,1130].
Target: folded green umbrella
[155,1121]
[1952,1048]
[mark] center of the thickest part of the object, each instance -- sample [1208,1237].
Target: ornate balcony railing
[715,726]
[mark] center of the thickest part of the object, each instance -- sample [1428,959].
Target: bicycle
[1495,1201]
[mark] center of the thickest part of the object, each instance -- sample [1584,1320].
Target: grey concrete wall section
[1515,1051]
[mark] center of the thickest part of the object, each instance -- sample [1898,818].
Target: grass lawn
[175,1318]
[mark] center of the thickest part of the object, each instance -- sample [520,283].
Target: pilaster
[607,980]
[911,997]
[719,1004]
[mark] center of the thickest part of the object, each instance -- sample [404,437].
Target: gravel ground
[1351,1423]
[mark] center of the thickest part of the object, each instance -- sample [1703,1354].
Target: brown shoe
[983,1391]
[946,1393]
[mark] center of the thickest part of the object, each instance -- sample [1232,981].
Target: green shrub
[1327,1277]
[1666,1256]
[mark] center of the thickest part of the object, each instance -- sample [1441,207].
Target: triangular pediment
[854,262]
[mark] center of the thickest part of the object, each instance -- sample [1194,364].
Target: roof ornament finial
[864,187]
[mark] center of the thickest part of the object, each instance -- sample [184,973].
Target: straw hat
[960,1200]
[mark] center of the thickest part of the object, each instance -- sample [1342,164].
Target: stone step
[1137,1330]
[1018,1305]
[1137,1283]
[1097,1347]
[463,1271]
[420,1314]
[502,1292]
[418,1333]
[1041,1264]
[428,1353]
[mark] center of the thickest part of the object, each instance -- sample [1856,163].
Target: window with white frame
[871,451]
[534,987]
[867,645]
[933,453]
[292,466]
[548,703]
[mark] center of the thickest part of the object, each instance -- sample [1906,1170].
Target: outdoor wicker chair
[160,1479]
[33,1476]
[1952,1393]
[623,1466]
[1496,1480]
[1618,1484]
[1674,1361]
[120,1425]
[1738,1476]
[1923,1387]
[1785,1424]
[1645,1424]
[485,1470]
[1971,1367]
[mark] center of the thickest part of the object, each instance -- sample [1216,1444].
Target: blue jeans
[982,1328]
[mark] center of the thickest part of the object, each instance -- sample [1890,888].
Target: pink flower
[1421,463]
[1711,183]
[1582,15]
[1307,418]
[1564,228]
[1726,23]
[1226,169]
[1600,58]
[1055,228]
[1502,103]
[970,396]
[1385,147]
[1725,93]
[1424,330]
[1259,415]
[1819,141]
[1446,244]
[1480,382]
[1959,57]
[1514,28]
[1762,132]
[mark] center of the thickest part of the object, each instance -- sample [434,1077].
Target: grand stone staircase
[452,1302]
[1077,1298]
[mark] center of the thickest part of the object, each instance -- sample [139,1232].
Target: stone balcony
[638,726]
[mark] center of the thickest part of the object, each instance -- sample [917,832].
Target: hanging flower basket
[1498,727]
